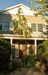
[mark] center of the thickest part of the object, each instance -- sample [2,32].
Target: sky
[8,3]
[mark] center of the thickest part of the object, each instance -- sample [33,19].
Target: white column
[11,48]
[35,46]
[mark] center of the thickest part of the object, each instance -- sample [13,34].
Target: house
[38,25]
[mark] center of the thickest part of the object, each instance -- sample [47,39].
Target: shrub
[43,54]
[5,44]
[4,58]
[5,52]
[42,48]
[29,61]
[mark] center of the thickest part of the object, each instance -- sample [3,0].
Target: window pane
[33,27]
[6,26]
[1,23]
[40,27]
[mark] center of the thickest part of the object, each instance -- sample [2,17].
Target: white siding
[26,11]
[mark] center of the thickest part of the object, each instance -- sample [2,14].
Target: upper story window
[1,24]
[33,25]
[4,26]
[47,28]
[39,27]
[36,27]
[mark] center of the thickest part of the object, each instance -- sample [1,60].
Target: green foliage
[30,61]
[22,24]
[41,6]
[45,44]
[42,47]
[15,23]
[4,58]
[5,52]
[43,50]
[5,44]
[44,55]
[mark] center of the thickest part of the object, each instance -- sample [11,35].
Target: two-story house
[38,25]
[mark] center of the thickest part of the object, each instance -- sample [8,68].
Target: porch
[21,47]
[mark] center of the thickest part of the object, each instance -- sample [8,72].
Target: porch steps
[16,62]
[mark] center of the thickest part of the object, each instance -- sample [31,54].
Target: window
[40,27]
[47,28]
[1,24]
[6,26]
[33,25]
[36,27]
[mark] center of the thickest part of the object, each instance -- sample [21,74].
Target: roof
[14,9]
[15,6]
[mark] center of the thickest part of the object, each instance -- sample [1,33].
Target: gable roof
[13,8]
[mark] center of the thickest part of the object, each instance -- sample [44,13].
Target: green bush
[44,55]
[4,58]
[5,44]
[5,52]
[42,47]
[43,52]
[29,61]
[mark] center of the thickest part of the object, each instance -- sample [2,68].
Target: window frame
[36,27]
[1,26]
[40,29]
[7,26]
[32,26]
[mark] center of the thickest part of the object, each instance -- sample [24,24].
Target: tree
[41,6]
[21,25]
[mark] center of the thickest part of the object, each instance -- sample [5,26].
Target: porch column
[11,48]
[35,46]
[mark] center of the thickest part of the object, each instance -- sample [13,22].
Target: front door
[15,51]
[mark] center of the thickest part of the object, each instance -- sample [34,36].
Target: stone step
[16,62]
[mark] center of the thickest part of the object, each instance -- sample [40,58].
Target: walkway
[25,71]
